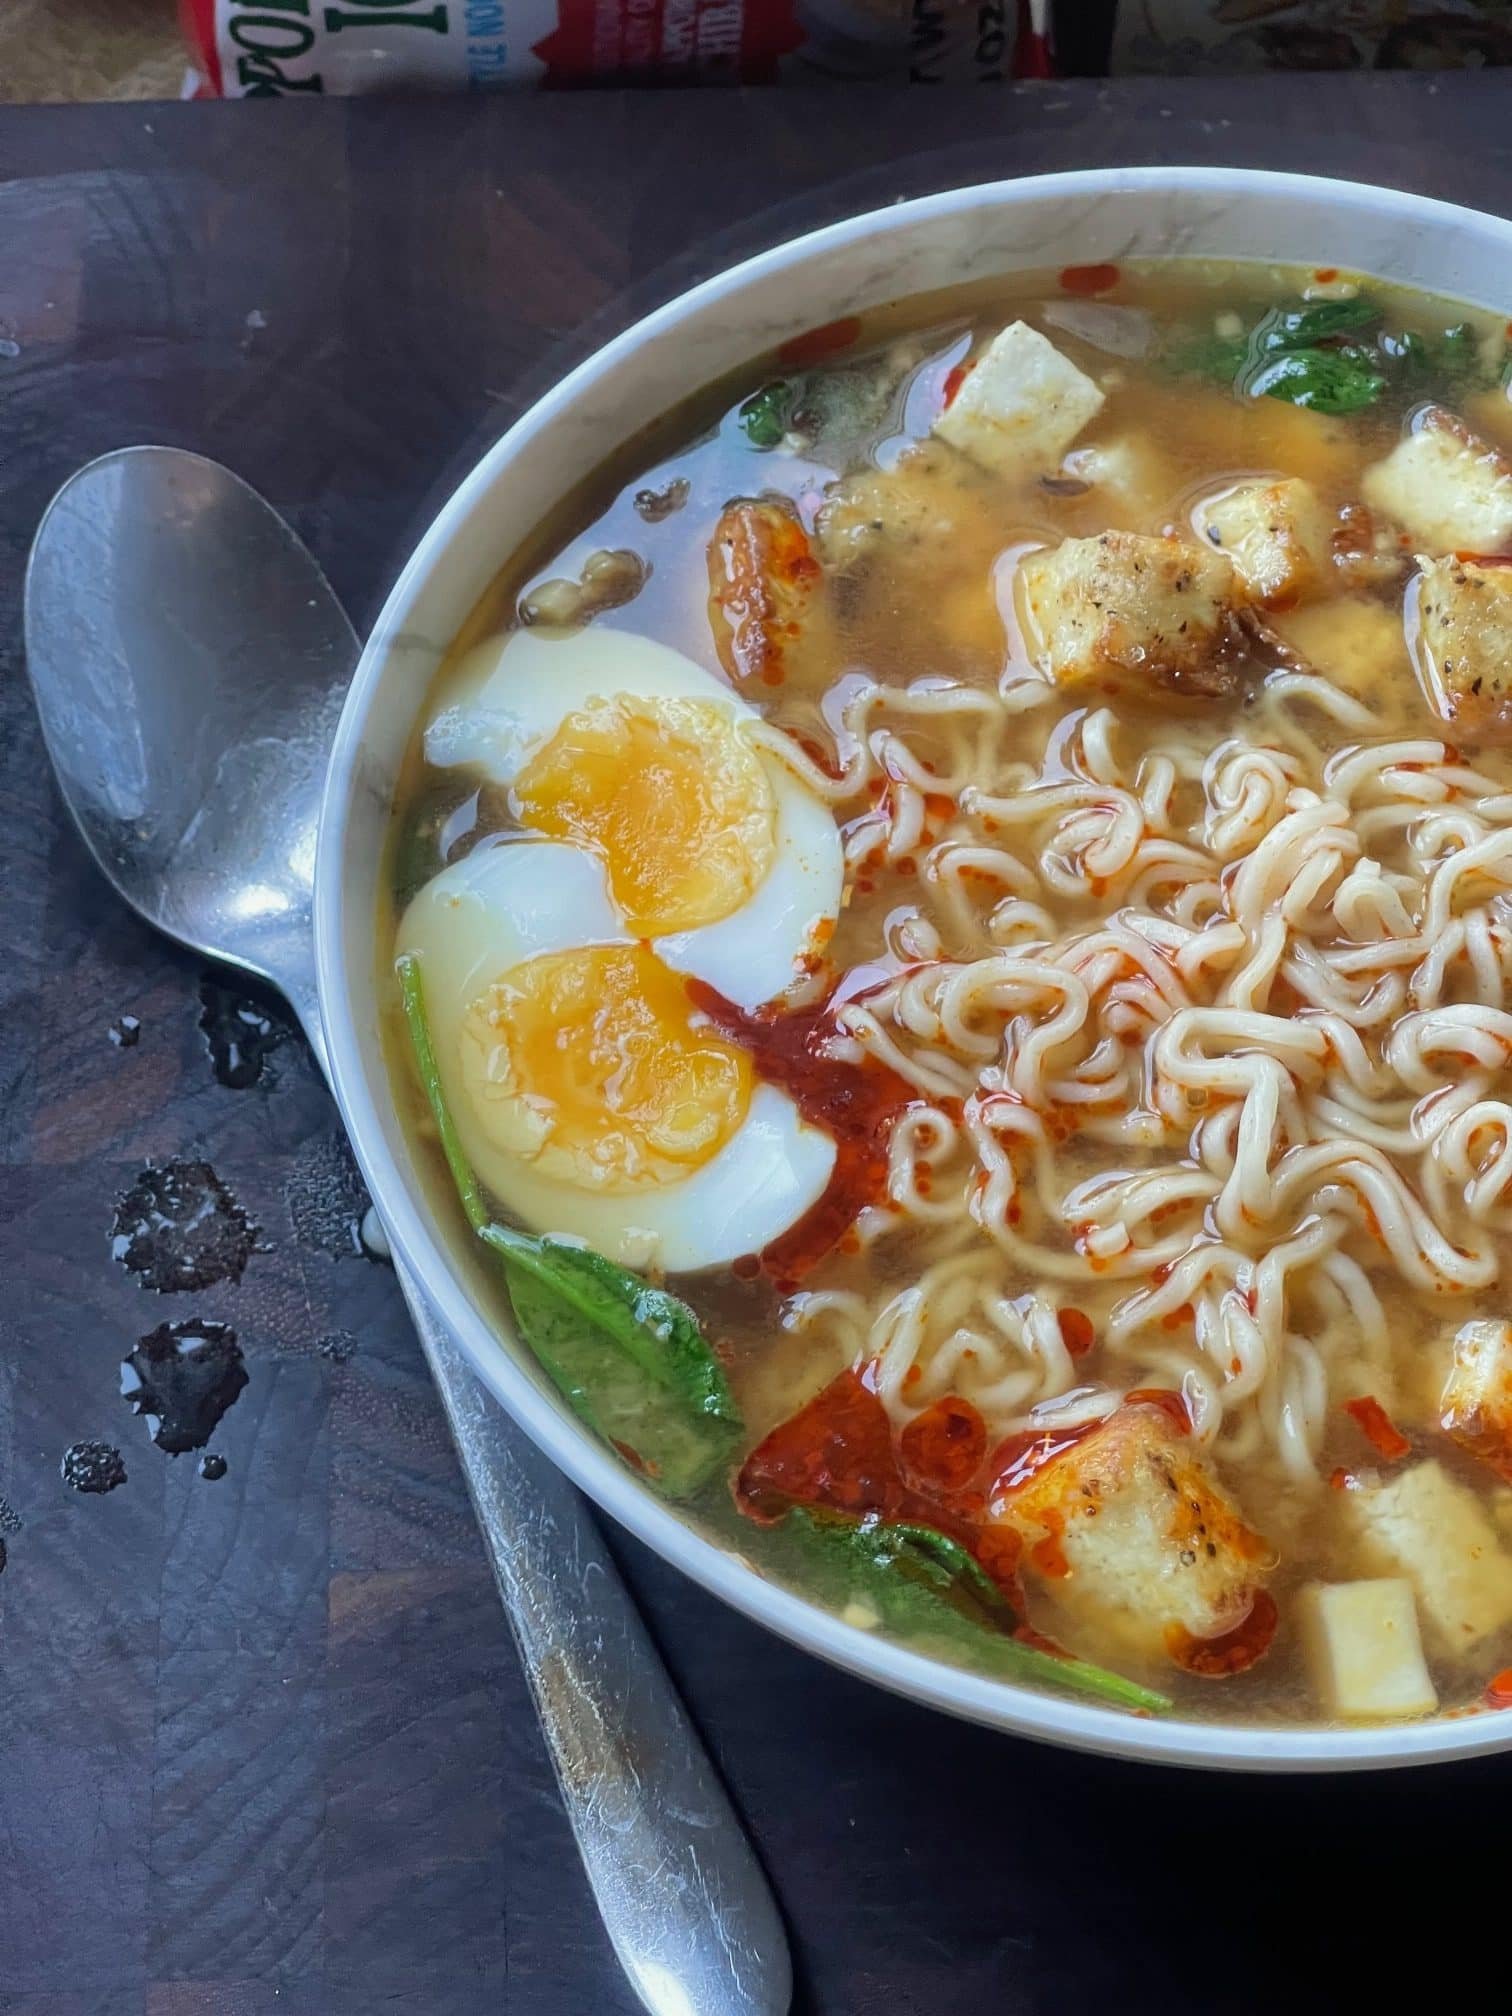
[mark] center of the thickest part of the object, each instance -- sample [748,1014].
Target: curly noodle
[1213,1040]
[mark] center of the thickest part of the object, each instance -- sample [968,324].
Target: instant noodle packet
[295,48]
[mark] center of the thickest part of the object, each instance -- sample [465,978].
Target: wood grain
[265,1751]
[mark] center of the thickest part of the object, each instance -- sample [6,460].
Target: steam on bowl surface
[1011,1258]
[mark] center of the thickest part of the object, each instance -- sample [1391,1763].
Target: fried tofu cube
[920,501]
[1369,553]
[1477,1399]
[763,579]
[1131,480]
[1449,488]
[1427,1526]
[1127,1524]
[966,611]
[1356,642]
[1125,606]
[1020,406]
[1276,534]
[1363,1649]
[1465,627]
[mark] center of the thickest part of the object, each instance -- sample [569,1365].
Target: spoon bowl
[176,720]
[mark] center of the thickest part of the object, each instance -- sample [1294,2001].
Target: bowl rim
[1023,1711]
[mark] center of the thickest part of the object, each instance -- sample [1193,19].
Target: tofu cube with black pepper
[1276,534]
[1131,481]
[1425,1525]
[1477,1399]
[1020,405]
[1128,1525]
[918,503]
[1446,486]
[1353,640]
[1465,630]
[1153,612]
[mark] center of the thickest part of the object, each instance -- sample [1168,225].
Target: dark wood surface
[263,1745]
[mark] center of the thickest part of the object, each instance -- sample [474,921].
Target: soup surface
[956,918]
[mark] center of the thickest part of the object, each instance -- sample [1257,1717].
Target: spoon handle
[682,1896]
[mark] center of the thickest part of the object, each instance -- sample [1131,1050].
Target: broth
[1045,1217]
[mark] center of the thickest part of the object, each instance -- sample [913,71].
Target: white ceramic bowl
[964,235]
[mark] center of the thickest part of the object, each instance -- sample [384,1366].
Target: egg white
[504,703]
[510,902]
[507,699]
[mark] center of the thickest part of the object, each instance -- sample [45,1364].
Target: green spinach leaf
[764,416]
[1450,360]
[1409,352]
[629,1357]
[412,993]
[1219,359]
[1333,356]
[932,1560]
[925,1587]
[649,1423]
[1456,353]
[652,1327]
[1345,380]
[1312,322]
[1297,353]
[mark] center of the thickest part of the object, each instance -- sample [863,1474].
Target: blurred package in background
[73,49]
[288,48]
[278,48]
[1182,37]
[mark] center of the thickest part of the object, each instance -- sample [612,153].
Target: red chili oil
[1169,1402]
[1232,1651]
[855,1104]
[1088,280]
[828,340]
[942,1448]
[839,1452]
[1020,1458]
[1077,1333]
[1378,1428]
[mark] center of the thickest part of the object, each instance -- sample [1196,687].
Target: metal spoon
[189,661]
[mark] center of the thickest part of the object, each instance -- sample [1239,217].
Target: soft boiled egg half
[661,841]
[713,847]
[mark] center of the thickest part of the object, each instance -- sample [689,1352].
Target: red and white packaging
[298,48]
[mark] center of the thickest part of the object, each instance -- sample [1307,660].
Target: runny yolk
[669,794]
[587,1064]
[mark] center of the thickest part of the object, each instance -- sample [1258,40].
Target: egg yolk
[588,1064]
[670,795]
